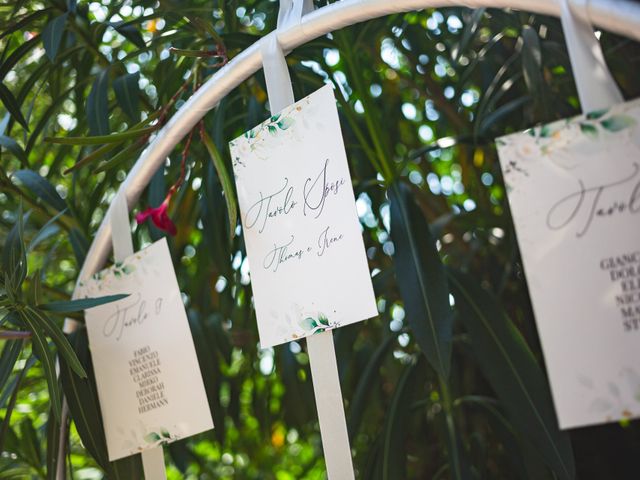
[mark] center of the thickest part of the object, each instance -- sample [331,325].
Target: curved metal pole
[619,16]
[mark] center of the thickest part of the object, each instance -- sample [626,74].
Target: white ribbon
[596,87]
[152,459]
[322,355]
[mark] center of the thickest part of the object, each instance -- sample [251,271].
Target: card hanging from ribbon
[150,395]
[322,357]
[308,265]
[153,459]
[573,187]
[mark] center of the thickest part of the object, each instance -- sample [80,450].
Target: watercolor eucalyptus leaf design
[320,324]
[161,437]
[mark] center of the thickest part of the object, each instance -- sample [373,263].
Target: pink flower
[159,217]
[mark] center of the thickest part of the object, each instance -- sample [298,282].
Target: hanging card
[574,192]
[149,382]
[308,266]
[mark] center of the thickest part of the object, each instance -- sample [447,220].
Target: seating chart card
[574,192]
[308,266]
[149,382]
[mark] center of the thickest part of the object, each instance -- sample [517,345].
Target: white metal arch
[619,16]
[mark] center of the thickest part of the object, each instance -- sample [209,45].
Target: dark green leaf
[10,353]
[98,105]
[5,428]
[394,456]
[422,281]
[79,245]
[52,35]
[48,361]
[11,145]
[226,180]
[55,333]
[509,366]
[368,379]
[80,304]
[48,229]
[14,258]
[41,188]
[130,32]
[10,103]
[532,62]
[126,89]
[82,397]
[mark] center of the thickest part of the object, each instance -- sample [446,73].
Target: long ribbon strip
[322,356]
[596,87]
[152,459]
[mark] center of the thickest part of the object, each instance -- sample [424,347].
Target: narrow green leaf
[80,304]
[531,59]
[101,139]
[366,383]
[79,244]
[48,361]
[82,398]
[123,155]
[52,330]
[422,282]
[98,106]
[130,32]
[8,357]
[52,35]
[53,443]
[97,153]
[511,369]
[11,145]
[41,188]
[127,90]
[225,180]
[23,22]
[14,258]
[48,229]
[11,104]
[5,428]
[468,33]
[394,456]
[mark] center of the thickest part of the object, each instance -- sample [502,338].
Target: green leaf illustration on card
[152,437]
[597,114]
[616,123]
[316,325]
[589,130]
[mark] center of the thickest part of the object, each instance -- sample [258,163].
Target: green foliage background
[447,382]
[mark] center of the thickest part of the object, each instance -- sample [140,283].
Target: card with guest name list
[147,373]
[308,265]
[574,192]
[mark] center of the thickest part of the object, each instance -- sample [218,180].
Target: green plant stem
[452,436]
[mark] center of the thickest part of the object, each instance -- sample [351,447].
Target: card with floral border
[574,191]
[308,265]
[149,382]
